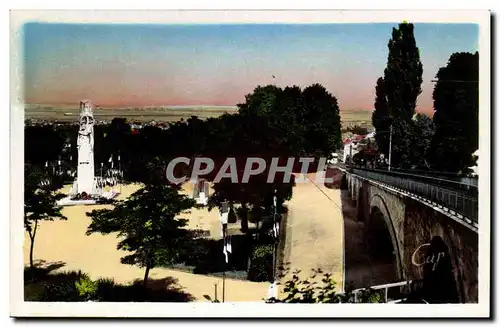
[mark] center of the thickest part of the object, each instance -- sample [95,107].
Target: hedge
[261,264]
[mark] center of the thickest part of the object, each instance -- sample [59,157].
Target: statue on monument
[87,188]
[85,171]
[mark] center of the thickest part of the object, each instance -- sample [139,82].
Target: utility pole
[274,233]
[390,147]
[224,271]
[224,211]
[120,179]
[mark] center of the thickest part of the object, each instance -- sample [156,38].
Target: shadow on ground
[43,283]
[205,256]
[365,264]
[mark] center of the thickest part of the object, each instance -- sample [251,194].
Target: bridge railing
[462,184]
[390,293]
[460,203]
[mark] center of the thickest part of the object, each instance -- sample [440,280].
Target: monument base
[102,198]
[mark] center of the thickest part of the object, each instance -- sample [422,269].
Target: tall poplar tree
[399,88]
[380,117]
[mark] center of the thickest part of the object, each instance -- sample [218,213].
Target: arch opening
[381,249]
[379,237]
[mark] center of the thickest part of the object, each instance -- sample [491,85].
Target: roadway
[314,231]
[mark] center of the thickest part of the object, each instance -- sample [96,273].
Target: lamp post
[224,213]
[275,233]
[224,267]
[120,177]
[390,144]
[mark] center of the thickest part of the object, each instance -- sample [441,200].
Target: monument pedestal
[87,189]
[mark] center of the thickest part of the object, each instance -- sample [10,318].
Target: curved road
[314,231]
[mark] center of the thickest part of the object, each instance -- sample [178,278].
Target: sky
[153,65]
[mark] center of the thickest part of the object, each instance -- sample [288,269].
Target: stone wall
[421,224]
[415,224]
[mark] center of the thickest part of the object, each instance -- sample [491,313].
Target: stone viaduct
[403,226]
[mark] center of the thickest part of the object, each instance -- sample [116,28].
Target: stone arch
[378,206]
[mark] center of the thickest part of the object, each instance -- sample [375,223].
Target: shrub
[60,287]
[261,264]
[105,289]
[311,290]
[87,288]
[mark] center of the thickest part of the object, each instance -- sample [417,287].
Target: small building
[201,192]
[351,147]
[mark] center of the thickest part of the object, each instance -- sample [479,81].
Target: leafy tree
[300,121]
[358,130]
[254,196]
[397,92]
[423,131]
[380,118]
[148,224]
[42,143]
[456,110]
[40,202]
[261,102]
[322,120]
[261,264]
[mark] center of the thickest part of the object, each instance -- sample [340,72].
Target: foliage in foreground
[76,286]
[311,290]
[261,264]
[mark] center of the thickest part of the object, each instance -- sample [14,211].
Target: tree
[380,118]
[322,121]
[397,92]
[42,143]
[403,74]
[255,196]
[261,102]
[148,224]
[358,130]
[40,202]
[456,113]
[299,121]
[423,131]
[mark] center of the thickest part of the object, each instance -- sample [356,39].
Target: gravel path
[314,231]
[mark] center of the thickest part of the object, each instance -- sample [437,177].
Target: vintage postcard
[232,163]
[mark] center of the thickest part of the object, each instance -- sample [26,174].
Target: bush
[261,264]
[87,288]
[78,287]
[62,287]
[311,290]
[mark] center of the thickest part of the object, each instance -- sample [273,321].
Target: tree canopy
[456,113]
[40,202]
[396,95]
[148,225]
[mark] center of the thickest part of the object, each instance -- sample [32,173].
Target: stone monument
[87,188]
[85,171]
